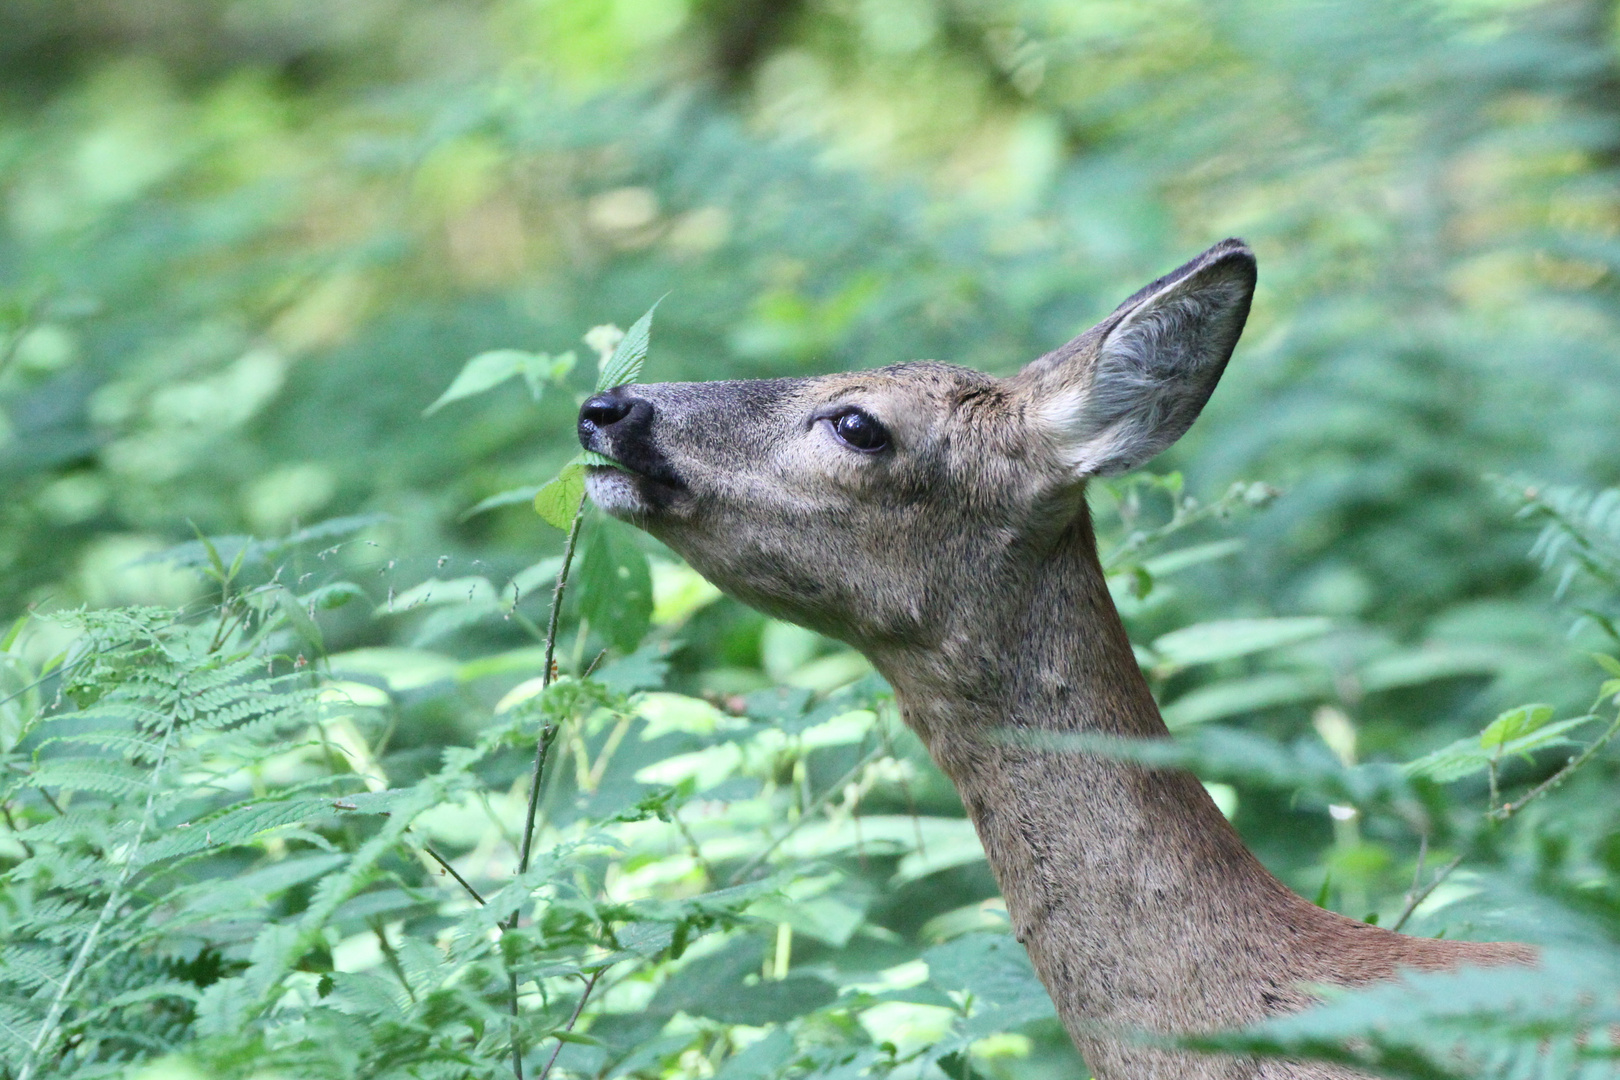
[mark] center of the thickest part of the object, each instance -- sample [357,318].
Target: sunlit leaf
[1514,724]
[624,366]
[559,499]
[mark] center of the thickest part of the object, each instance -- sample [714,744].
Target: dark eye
[860,431]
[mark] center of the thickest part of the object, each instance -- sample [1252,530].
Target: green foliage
[1556,1021]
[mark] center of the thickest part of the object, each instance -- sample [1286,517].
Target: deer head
[934,518]
[879,507]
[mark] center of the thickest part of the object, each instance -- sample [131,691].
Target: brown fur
[961,561]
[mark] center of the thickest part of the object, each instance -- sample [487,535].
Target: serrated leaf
[994,968]
[624,366]
[615,583]
[715,986]
[1467,756]
[558,500]
[1514,724]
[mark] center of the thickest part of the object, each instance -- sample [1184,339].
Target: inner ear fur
[1123,391]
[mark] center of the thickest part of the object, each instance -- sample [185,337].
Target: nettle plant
[231,851]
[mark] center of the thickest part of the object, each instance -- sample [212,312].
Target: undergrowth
[217,864]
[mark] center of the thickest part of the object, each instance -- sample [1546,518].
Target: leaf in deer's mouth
[591,457]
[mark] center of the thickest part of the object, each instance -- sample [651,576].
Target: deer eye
[859,431]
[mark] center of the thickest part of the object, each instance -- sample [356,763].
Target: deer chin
[615,491]
[629,496]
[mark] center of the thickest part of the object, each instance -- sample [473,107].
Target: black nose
[617,412]
[605,410]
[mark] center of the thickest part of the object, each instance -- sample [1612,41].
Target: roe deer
[935,518]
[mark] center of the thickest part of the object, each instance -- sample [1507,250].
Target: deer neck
[1140,906]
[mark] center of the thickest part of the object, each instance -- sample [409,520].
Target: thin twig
[392,957]
[440,859]
[1417,871]
[691,842]
[590,984]
[11,823]
[548,735]
[517,1044]
[545,681]
[1414,900]
[809,812]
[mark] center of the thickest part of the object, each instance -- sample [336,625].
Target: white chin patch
[613,491]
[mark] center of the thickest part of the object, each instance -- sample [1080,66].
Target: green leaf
[1607,663]
[994,968]
[579,1038]
[624,366]
[1466,757]
[714,986]
[615,584]
[543,369]
[1227,639]
[1236,697]
[558,500]
[1172,562]
[335,595]
[1514,724]
[299,620]
[489,369]
[509,497]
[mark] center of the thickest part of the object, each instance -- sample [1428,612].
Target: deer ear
[1125,390]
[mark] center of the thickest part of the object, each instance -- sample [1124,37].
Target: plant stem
[692,843]
[548,735]
[590,984]
[440,859]
[1507,810]
[826,796]
[115,897]
[1414,899]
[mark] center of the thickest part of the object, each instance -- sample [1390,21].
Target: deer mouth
[632,489]
[617,425]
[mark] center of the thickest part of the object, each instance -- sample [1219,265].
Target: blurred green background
[244,244]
